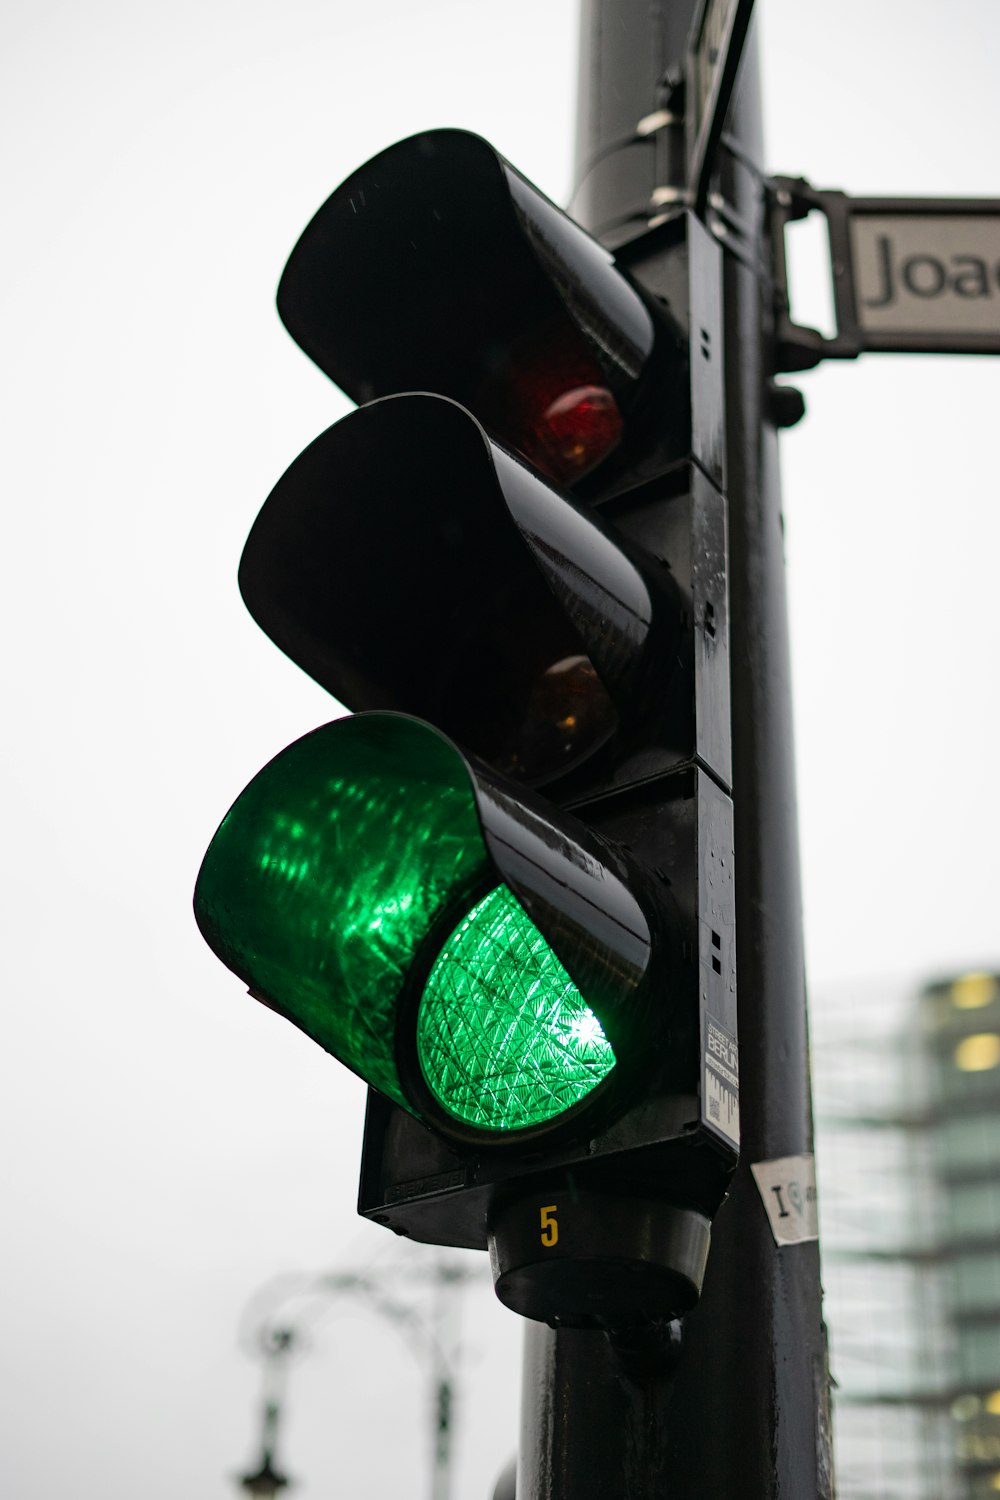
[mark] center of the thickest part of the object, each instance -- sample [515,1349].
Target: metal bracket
[798,348]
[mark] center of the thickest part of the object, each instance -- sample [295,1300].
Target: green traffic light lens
[504,1038]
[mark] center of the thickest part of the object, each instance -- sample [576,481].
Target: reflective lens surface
[504,1037]
[547,399]
[578,428]
[567,716]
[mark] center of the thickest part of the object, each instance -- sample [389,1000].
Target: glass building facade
[907,1090]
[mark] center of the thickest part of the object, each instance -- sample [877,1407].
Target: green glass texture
[504,1038]
[328,873]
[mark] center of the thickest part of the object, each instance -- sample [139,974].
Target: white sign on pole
[926,276]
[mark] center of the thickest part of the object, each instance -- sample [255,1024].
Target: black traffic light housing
[425,555]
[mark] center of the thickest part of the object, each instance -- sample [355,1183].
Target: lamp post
[266,1480]
[276,1321]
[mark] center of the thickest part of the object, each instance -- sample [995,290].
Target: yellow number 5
[550,1229]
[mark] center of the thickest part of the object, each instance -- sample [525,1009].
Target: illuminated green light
[504,1037]
[327,889]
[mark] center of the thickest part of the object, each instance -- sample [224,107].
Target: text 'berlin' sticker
[787,1187]
[721,1102]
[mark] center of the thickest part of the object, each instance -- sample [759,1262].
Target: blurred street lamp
[432,1334]
[266,1481]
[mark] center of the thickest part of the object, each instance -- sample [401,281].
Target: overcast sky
[170,1145]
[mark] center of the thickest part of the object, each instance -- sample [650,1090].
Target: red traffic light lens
[574,432]
[548,399]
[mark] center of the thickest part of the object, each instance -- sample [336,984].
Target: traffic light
[437,267]
[487,602]
[447,959]
[501,891]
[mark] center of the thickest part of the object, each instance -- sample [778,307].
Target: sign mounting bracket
[910,275]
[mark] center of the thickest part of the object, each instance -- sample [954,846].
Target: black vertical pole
[745,1412]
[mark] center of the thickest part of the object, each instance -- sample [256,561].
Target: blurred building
[907,1090]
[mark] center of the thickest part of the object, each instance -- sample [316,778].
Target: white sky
[171,1145]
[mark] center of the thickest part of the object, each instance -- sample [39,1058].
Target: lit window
[973,991]
[975,1054]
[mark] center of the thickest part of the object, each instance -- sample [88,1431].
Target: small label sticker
[721,1104]
[787,1187]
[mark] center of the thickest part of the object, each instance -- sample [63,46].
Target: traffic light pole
[744,1408]
[501,890]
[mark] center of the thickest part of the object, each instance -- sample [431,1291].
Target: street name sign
[910,275]
[715,47]
[926,275]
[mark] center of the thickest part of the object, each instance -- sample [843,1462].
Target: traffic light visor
[369,886]
[437,266]
[504,612]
